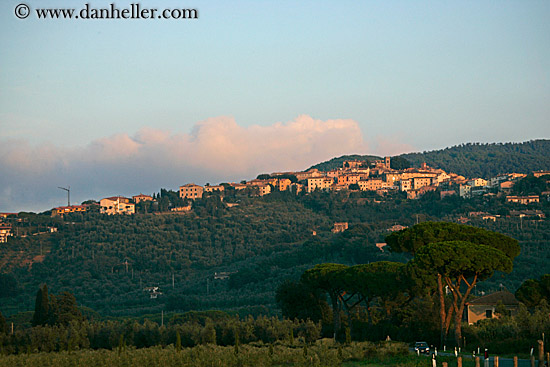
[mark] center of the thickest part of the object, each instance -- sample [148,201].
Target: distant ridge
[487,160]
[471,159]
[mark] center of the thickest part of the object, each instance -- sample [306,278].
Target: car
[421,347]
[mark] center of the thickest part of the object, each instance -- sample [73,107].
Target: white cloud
[217,149]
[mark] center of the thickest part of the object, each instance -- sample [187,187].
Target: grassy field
[323,353]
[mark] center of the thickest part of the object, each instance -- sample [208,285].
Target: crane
[68,189]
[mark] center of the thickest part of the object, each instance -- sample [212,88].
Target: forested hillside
[472,159]
[108,261]
[337,162]
[487,160]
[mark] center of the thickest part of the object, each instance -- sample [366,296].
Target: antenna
[68,189]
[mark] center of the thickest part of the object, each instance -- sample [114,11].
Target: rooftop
[492,299]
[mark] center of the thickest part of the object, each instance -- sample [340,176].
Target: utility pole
[68,189]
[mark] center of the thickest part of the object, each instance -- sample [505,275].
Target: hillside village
[353,175]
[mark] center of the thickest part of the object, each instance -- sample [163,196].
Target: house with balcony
[116,205]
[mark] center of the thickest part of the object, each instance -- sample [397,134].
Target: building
[372,184]
[181,209]
[5,215]
[319,183]
[541,173]
[238,186]
[523,199]
[528,214]
[476,182]
[464,191]
[405,185]
[348,179]
[296,188]
[191,191]
[415,194]
[506,185]
[496,181]
[218,188]
[397,227]
[116,205]
[347,165]
[263,189]
[139,198]
[484,307]
[5,232]
[62,210]
[419,182]
[340,227]
[283,184]
[312,173]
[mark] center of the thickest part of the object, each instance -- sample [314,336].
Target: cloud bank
[216,150]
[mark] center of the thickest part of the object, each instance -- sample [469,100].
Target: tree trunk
[442,313]
[459,302]
[335,314]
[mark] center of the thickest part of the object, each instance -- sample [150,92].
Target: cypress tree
[178,341]
[41,307]
[3,324]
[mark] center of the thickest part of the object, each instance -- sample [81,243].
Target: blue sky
[392,76]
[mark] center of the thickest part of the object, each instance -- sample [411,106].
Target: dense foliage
[487,160]
[533,292]
[470,160]
[323,353]
[108,261]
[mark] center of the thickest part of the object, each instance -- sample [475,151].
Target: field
[323,353]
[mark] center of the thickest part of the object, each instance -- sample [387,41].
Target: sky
[122,107]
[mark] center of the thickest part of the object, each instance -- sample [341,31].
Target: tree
[328,277]
[399,163]
[298,301]
[41,307]
[532,291]
[63,310]
[354,187]
[411,239]
[458,263]
[3,324]
[383,279]
[8,285]
[415,238]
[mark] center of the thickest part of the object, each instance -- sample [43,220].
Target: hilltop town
[353,175]
[229,246]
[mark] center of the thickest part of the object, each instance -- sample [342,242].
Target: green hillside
[107,261]
[472,159]
[487,160]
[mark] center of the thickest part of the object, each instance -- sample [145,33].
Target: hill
[234,258]
[472,159]
[487,160]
